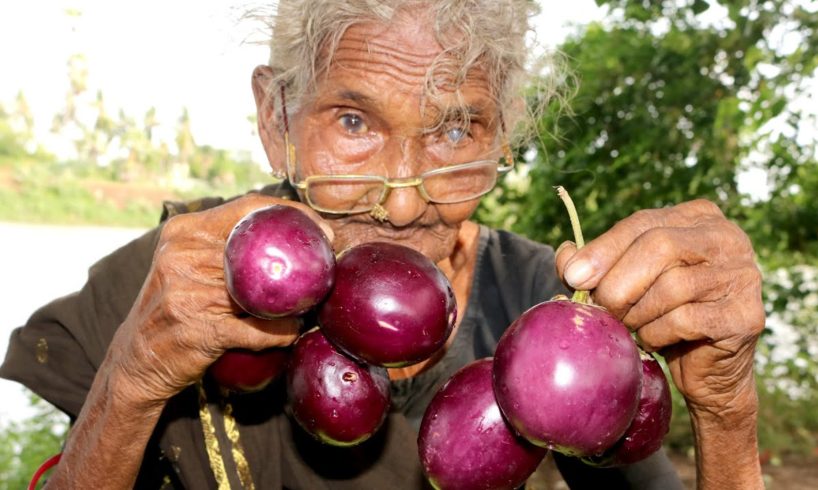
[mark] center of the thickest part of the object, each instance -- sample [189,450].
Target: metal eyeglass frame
[377,211]
[390,183]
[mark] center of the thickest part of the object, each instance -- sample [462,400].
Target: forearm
[107,443]
[727,446]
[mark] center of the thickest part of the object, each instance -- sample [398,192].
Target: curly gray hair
[490,34]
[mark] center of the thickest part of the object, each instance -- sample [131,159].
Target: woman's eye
[353,123]
[456,135]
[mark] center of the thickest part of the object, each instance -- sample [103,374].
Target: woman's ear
[269,129]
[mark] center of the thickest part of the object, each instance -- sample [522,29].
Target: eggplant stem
[572,215]
[579,296]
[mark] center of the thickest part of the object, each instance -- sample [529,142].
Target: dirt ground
[790,474]
[121,193]
[794,474]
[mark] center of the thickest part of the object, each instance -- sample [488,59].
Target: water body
[37,264]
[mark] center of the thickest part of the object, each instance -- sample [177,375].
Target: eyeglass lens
[358,194]
[460,184]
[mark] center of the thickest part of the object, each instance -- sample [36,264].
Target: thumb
[565,252]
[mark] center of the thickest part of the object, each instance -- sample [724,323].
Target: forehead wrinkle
[413,80]
[371,51]
[402,50]
[407,73]
[373,46]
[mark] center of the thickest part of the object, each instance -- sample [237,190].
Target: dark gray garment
[56,354]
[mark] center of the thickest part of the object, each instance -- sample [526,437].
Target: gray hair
[490,34]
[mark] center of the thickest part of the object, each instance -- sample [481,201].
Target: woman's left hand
[686,281]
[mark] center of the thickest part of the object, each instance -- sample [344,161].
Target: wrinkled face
[369,116]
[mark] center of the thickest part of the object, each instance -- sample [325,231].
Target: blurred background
[107,109]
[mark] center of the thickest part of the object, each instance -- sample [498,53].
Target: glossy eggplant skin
[335,398]
[390,306]
[464,442]
[567,376]
[651,423]
[247,371]
[278,262]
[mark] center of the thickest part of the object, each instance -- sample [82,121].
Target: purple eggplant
[567,376]
[649,426]
[391,306]
[464,442]
[335,398]
[278,262]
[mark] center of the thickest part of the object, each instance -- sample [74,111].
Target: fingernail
[578,273]
[562,246]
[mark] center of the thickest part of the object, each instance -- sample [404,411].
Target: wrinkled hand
[685,280]
[184,318]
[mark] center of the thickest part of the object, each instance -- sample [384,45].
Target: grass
[57,194]
[72,205]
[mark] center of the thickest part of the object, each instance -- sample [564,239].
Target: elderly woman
[418,99]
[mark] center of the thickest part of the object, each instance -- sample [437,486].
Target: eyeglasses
[352,194]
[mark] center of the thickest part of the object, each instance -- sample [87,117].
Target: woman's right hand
[184,318]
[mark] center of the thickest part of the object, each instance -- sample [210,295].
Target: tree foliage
[25,445]
[670,108]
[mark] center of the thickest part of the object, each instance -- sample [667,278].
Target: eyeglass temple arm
[507,153]
[289,149]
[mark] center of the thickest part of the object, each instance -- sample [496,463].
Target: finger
[690,322]
[726,324]
[652,254]
[677,286]
[563,254]
[251,202]
[258,333]
[589,264]
[218,222]
[190,265]
[215,334]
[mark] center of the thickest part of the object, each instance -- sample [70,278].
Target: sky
[162,54]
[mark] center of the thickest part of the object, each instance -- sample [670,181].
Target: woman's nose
[404,205]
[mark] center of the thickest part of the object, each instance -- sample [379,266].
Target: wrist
[727,443]
[108,440]
[127,393]
[736,410]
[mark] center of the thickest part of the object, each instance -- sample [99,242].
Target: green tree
[25,445]
[674,101]
[11,144]
[18,144]
[667,109]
